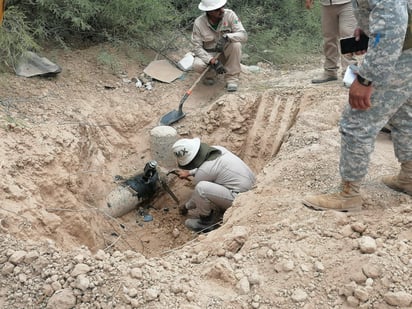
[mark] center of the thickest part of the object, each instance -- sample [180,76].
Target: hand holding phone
[350,45]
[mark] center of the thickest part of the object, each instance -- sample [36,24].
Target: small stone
[367,244]
[352,301]
[152,294]
[244,286]
[62,299]
[288,266]
[372,271]
[299,295]
[17,257]
[80,269]
[319,266]
[401,299]
[358,227]
[361,293]
[175,233]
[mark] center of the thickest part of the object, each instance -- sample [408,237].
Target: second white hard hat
[210,5]
[185,150]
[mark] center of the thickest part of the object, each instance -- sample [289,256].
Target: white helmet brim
[210,5]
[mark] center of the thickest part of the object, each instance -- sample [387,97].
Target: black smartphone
[350,45]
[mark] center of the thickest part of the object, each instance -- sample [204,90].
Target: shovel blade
[171,117]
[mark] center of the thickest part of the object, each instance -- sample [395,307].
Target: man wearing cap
[219,175]
[218,30]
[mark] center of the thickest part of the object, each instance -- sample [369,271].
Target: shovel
[176,115]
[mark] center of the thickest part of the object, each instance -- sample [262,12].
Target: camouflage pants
[391,103]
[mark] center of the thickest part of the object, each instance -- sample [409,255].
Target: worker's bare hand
[360,96]
[183,174]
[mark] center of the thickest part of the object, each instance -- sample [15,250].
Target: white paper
[349,77]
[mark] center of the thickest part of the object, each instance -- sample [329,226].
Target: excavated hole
[71,191]
[269,117]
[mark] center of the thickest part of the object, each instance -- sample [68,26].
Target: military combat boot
[204,224]
[401,182]
[348,199]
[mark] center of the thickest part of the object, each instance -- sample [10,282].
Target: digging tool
[176,115]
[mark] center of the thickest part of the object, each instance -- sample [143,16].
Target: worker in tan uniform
[219,176]
[338,21]
[218,30]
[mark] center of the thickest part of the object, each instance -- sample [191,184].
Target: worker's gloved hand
[218,67]
[220,45]
[183,210]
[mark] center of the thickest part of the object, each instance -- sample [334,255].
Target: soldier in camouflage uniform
[382,93]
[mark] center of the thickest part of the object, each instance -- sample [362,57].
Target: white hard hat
[185,150]
[210,5]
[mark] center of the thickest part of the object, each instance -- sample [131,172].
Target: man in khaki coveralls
[218,30]
[219,176]
[338,21]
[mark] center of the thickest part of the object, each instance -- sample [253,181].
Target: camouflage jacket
[386,24]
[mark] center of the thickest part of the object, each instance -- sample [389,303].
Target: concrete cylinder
[162,139]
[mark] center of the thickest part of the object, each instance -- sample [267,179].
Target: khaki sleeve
[197,41]
[238,32]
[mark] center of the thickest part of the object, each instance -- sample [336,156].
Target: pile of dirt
[64,140]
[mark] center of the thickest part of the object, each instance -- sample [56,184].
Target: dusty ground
[65,138]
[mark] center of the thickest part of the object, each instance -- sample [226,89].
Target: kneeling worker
[218,30]
[219,175]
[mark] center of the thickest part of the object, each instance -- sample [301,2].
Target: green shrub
[15,37]
[279,31]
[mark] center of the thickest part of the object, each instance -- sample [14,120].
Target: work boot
[326,76]
[204,224]
[401,182]
[348,199]
[209,81]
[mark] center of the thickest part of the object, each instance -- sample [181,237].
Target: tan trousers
[338,21]
[230,58]
[209,196]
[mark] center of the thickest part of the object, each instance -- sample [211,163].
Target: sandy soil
[65,138]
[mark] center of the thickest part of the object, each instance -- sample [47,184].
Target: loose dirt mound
[66,138]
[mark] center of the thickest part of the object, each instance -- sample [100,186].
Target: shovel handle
[189,92]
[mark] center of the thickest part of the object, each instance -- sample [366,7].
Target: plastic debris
[139,83]
[147,218]
[148,86]
[185,64]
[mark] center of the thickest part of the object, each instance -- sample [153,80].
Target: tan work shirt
[204,37]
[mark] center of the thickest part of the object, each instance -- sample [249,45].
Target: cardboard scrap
[163,71]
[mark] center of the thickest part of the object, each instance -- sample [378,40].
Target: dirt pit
[67,137]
